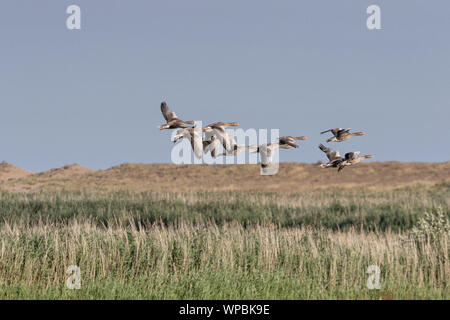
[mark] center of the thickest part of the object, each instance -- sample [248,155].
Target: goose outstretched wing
[330,153]
[168,114]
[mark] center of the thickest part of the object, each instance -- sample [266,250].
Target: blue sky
[92,96]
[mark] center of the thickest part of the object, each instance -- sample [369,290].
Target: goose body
[212,145]
[334,158]
[172,121]
[290,140]
[352,158]
[238,149]
[195,138]
[342,134]
[266,152]
[218,129]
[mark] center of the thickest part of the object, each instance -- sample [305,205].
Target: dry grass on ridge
[292,177]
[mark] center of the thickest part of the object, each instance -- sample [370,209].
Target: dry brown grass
[292,177]
[10,172]
[69,171]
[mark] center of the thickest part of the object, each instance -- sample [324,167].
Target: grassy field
[313,244]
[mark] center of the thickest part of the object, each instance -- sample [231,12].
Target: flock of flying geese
[216,135]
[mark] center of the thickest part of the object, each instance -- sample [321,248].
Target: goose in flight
[352,158]
[290,140]
[218,130]
[238,149]
[195,138]
[212,145]
[172,120]
[342,134]
[334,158]
[266,152]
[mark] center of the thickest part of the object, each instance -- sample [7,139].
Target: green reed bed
[316,245]
[396,211]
